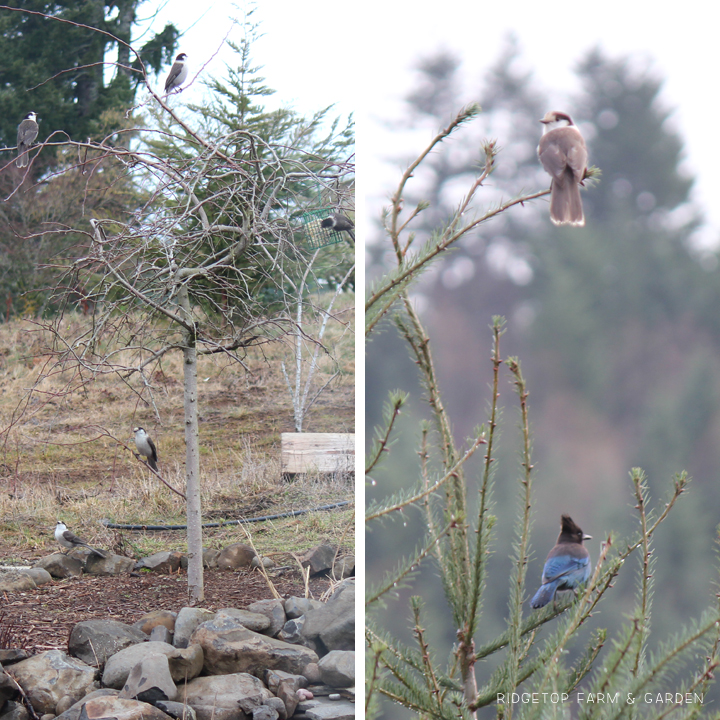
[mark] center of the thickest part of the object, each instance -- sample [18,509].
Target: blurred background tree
[63,70]
[616,324]
[81,83]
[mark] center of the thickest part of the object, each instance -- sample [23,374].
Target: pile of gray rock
[320,559]
[273,659]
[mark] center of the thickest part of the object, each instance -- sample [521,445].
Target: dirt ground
[42,619]
[69,455]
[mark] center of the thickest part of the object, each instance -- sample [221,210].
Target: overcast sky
[680,43]
[307,71]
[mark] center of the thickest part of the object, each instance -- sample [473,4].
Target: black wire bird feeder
[317,236]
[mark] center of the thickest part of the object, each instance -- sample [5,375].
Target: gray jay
[71,541]
[27,132]
[98,232]
[339,223]
[563,154]
[177,75]
[146,447]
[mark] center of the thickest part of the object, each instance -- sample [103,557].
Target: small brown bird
[563,154]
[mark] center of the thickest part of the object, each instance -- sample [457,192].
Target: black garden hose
[291,513]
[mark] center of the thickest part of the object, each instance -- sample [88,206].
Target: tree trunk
[123,31]
[196,589]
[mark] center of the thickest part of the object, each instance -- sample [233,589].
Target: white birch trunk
[196,588]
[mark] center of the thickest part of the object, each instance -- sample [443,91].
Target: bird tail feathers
[544,595]
[565,203]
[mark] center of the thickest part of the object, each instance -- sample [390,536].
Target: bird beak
[587,537]
[548,117]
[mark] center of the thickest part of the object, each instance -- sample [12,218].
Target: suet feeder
[317,236]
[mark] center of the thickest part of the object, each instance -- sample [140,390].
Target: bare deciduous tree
[200,267]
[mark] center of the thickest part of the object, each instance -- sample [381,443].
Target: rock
[39,575]
[274,611]
[285,686]
[292,630]
[304,694]
[334,624]
[337,668]
[49,676]
[223,696]
[176,710]
[166,561]
[273,678]
[237,555]
[319,559]
[264,712]
[120,708]
[287,692]
[48,716]
[323,709]
[187,620]
[94,641]
[345,567]
[157,617]
[229,647]
[278,705]
[150,680]
[210,556]
[312,672]
[16,581]
[112,565]
[297,606]
[12,655]
[161,634]
[60,566]
[73,712]
[265,562]
[183,662]
[251,620]
[248,704]
[64,703]
[8,689]
[14,711]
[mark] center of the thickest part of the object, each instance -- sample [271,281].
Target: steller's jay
[567,564]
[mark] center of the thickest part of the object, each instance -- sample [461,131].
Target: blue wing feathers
[562,572]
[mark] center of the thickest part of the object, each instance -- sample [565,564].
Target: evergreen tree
[616,322]
[313,154]
[54,59]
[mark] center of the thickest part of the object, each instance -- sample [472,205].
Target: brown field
[68,455]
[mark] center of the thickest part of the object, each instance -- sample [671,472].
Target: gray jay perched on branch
[98,232]
[563,154]
[27,132]
[146,447]
[339,223]
[177,75]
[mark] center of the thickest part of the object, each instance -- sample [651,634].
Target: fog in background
[615,324]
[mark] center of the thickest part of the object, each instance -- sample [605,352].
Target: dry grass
[69,455]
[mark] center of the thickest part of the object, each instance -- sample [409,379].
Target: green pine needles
[545,663]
